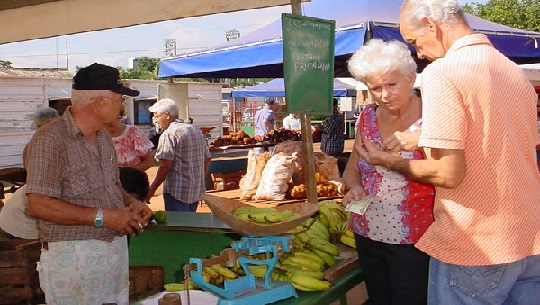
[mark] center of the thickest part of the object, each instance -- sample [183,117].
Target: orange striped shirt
[477,100]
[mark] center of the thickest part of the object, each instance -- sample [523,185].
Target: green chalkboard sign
[308,63]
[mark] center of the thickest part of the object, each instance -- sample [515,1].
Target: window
[142,115]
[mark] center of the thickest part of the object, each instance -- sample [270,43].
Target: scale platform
[280,291]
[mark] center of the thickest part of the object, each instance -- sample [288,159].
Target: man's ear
[429,24]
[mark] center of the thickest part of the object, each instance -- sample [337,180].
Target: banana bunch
[347,238]
[264,215]
[217,274]
[333,216]
[174,287]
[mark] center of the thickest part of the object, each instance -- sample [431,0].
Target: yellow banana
[349,241]
[349,233]
[213,274]
[309,255]
[258,270]
[310,282]
[302,288]
[307,263]
[312,273]
[228,274]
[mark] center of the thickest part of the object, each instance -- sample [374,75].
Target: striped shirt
[186,146]
[62,163]
[477,100]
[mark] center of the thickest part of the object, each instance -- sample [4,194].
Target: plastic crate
[145,281]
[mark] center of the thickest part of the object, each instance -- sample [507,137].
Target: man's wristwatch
[98,221]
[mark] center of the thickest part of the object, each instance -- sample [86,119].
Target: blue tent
[276,88]
[260,54]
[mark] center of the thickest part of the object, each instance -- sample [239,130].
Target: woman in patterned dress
[133,148]
[400,210]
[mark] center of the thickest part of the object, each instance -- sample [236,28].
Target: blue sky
[114,47]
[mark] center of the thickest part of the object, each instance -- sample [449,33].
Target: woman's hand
[374,155]
[402,141]
[353,194]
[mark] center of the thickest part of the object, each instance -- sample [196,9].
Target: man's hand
[374,155]
[129,220]
[353,194]
[402,141]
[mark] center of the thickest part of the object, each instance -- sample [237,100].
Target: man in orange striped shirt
[479,134]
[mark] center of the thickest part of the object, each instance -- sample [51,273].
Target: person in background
[485,241]
[292,122]
[135,182]
[132,147]
[264,118]
[15,223]
[333,139]
[183,157]
[74,190]
[401,209]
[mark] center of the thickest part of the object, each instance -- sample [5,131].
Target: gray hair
[165,105]
[43,116]
[447,12]
[380,57]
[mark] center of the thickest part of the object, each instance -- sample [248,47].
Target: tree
[146,69]
[521,14]
[5,64]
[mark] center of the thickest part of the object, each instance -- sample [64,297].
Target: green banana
[328,259]
[321,229]
[173,287]
[252,210]
[323,245]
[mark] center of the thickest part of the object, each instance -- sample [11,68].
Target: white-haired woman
[399,210]
[183,158]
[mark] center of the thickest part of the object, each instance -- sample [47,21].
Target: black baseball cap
[101,77]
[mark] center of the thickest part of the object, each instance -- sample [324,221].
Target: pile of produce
[233,138]
[313,252]
[280,135]
[264,215]
[281,176]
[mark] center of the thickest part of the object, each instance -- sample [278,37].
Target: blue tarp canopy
[260,53]
[276,88]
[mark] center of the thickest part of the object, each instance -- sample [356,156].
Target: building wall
[21,96]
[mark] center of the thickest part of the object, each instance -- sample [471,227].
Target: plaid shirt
[333,140]
[186,146]
[62,163]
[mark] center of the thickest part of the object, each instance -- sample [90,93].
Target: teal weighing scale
[247,290]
